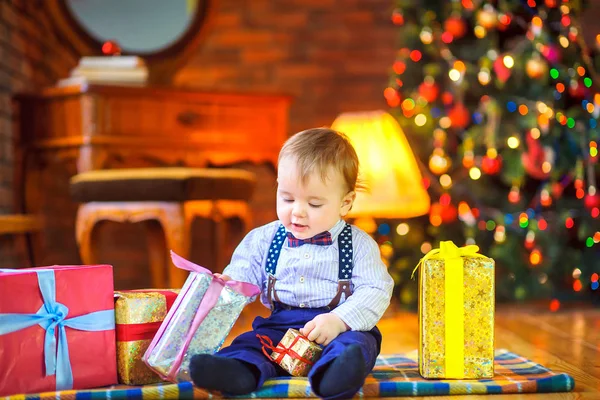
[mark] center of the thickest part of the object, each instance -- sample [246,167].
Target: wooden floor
[565,341]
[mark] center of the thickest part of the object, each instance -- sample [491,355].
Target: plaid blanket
[393,376]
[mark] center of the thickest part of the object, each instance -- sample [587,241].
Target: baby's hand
[224,277]
[324,328]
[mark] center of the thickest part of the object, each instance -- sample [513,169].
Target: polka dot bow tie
[322,239]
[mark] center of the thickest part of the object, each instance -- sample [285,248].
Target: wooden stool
[171,196]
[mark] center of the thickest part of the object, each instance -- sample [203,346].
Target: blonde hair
[317,149]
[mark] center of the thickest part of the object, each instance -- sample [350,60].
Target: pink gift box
[199,321]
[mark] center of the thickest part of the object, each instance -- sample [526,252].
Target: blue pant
[247,347]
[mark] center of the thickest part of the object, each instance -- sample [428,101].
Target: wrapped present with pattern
[456,313]
[57,329]
[199,321]
[138,315]
[294,353]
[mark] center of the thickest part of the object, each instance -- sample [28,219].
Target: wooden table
[565,341]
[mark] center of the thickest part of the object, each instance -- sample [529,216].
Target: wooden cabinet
[170,126]
[63,131]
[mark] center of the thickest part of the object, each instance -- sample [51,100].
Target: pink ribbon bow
[209,300]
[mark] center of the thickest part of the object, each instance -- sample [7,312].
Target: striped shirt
[307,276]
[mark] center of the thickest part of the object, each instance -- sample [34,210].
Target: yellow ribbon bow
[448,250]
[454,302]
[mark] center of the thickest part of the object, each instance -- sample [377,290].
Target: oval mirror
[140,27]
[164,33]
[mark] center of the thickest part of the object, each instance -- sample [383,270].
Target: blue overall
[248,348]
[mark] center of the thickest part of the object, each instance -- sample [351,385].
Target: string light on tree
[491,163]
[426,35]
[475,173]
[398,17]
[513,142]
[538,134]
[429,90]
[535,258]
[487,17]
[530,240]
[500,234]
[514,196]
[456,26]
[484,76]
[446,181]
[545,198]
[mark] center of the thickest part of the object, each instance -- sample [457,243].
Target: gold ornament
[536,68]
[439,162]
[487,18]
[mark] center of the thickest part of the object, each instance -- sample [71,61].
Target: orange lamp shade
[388,167]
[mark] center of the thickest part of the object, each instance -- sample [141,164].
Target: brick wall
[330,55]
[31,55]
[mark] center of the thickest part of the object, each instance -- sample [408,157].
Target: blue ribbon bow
[53,315]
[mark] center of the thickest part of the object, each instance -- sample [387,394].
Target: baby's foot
[223,374]
[345,373]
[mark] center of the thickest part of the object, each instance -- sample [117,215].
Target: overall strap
[345,265]
[271,264]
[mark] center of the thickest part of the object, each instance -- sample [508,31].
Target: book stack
[108,70]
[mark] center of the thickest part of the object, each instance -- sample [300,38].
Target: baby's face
[307,210]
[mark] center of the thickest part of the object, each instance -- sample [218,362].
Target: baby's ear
[347,202]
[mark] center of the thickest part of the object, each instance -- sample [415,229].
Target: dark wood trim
[153,90]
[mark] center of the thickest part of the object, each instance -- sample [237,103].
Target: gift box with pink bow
[199,321]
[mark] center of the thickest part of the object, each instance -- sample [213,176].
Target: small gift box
[138,315]
[294,353]
[456,313]
[57,329]
[199,321]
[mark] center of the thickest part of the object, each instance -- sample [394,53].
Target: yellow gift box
[456,313]
[138,315]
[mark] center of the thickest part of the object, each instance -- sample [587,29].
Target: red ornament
[591,201]
[505,20]
[534,158]
[557,190]
[501,70]
[392,97]
[455,26]
[552,53]
[459,115]
[429,91]
[514,196]
[397,17]
[577,91]
[529,243]
[491,166]
[444,213]
[111,48]
[447,98]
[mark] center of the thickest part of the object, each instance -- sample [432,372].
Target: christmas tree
[501,101]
